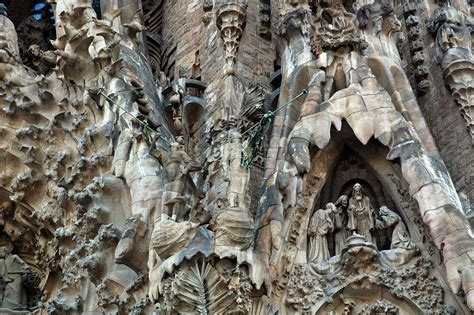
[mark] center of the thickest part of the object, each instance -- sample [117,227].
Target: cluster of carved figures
[356,216]
[125,195]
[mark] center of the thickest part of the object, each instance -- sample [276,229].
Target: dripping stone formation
[236,157]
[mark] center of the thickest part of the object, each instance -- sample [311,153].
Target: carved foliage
[413,283]
[334,27]
[206,289]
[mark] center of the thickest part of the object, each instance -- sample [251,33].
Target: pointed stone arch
[323,161]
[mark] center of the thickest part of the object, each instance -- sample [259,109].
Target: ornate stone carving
[334,27]
[265,19]
[200,286]
[361,214]
[231,23]
[307,292]
[124,191]
[320,225]
[410,11]
[12,272]
[454,49]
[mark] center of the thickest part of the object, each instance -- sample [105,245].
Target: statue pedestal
[358,254]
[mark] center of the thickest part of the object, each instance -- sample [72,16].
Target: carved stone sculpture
[45,61]
[11,67]
[340,223]
[231,23]
[400,237]
[334,27]
[12,271]
[360,213]
[200,157]
[177,165]
[454,49]
[320,225]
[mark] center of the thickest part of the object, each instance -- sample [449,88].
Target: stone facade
[236,157]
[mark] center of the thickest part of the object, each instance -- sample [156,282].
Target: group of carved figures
[356,215]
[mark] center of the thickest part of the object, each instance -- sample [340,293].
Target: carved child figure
[44,61]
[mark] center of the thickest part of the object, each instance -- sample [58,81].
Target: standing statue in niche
[177,164]
[340,219]
[320,225]
[12,269]
[360,213]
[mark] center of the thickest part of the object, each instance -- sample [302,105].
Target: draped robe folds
[320,225]
[11,270]
[400,236]
[361,218]
[340,234]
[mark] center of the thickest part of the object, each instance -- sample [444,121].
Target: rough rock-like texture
[236,157]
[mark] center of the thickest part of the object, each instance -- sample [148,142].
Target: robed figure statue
[321,224]
[360,214]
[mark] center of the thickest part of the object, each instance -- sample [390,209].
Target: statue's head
[174,146]
[357,190]
[34,50]
[3,9]
[384,211]
[6,247]
[330,206]
[390,23]
[342,201]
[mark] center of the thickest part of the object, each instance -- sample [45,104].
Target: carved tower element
[231,23]
[454,48]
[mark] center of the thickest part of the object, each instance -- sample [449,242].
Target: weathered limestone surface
[236,157]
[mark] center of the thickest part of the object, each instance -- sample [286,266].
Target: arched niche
[384,176]
[350,169]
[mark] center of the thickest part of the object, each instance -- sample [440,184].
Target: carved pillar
[231,23]
[453,45]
